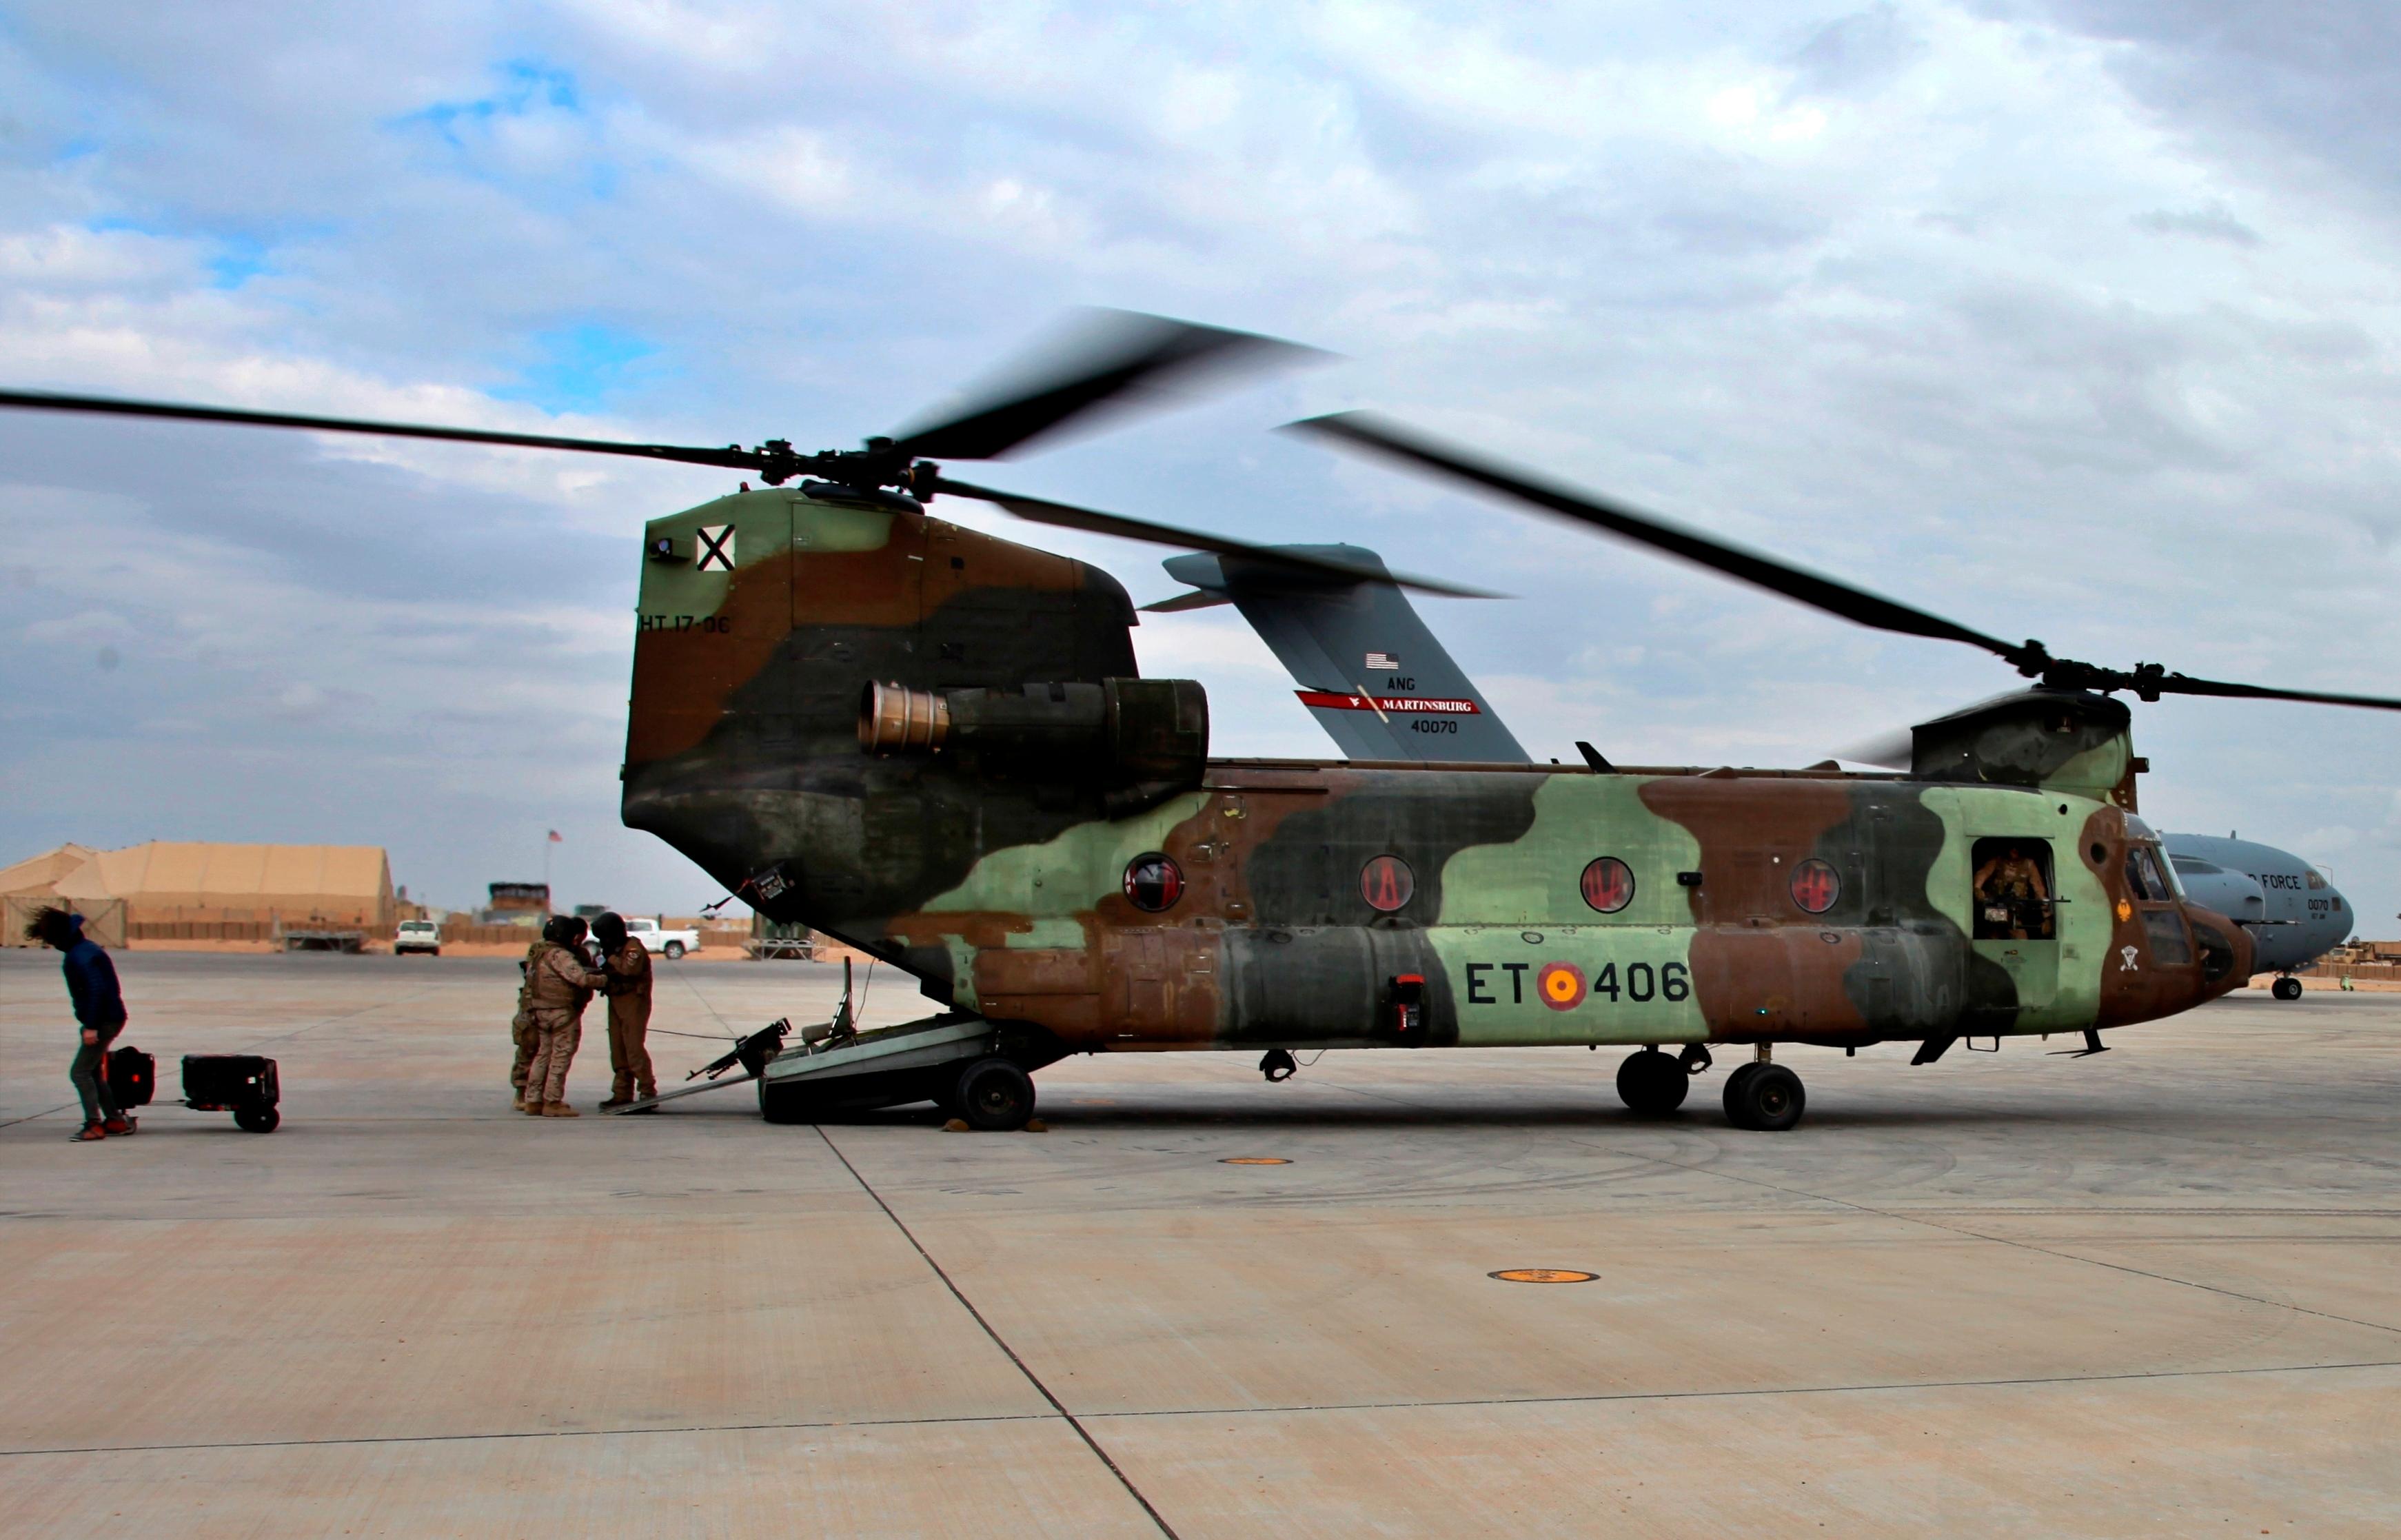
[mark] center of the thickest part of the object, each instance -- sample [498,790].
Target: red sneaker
[90,1134]
[115,1126]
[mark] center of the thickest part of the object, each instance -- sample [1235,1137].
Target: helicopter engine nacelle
[1139,740]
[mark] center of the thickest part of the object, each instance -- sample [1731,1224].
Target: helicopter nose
[2227,954]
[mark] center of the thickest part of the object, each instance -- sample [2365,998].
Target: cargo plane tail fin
[1368,670]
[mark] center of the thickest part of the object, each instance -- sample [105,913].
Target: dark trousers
[90,1076]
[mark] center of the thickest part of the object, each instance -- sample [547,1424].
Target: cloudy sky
[2075,319]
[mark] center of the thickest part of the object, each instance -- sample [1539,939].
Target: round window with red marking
[1153,883]
[1816,885]
[1608,885]
[1387,883]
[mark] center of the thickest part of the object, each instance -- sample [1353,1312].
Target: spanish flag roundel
[1560,986]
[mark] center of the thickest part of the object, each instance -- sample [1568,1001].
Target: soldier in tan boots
[627,963]
[557,987]
[522,1035]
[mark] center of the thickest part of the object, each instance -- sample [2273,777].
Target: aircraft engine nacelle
[1140,741]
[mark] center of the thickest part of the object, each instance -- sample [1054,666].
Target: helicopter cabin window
[1608,885]
[1387,883]
[1815,885]
[2013,897]
[1153,883]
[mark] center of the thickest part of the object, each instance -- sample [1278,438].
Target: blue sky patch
[525,85]
[237,260]
[581,368]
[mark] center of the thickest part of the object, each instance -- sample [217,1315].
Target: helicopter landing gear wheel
[994,1096]
[2287,989]
[1765,1098]
[1651,1084]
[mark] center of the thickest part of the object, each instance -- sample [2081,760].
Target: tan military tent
[182,883]
[33,884]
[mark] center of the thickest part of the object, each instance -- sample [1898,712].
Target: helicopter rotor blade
[732,457]
[1372,433]
[2150,684]
[1066,515]
[1106,357]
[2148,681]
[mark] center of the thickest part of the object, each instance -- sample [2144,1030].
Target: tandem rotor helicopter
[933,745]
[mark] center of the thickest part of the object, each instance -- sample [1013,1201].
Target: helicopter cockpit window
[2143,879]
[2013,898]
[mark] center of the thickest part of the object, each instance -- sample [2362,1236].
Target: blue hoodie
[92,981]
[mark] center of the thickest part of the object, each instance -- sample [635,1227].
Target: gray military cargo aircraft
[1383,688]
[2294,914]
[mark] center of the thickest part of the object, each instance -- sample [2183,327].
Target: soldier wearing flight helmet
[627,963]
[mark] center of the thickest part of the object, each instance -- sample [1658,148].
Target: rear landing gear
[2287,989]
[1764,1097]
[994,1096]
[1652,1083]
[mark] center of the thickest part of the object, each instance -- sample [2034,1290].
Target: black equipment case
[132,1076]
[243,1084]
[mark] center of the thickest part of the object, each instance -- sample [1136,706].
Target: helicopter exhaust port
[893,718]
[1136,741]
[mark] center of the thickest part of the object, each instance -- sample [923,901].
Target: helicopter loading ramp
[834,1067]
[910,1063]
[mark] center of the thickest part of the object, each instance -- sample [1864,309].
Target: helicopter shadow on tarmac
[1151,1110]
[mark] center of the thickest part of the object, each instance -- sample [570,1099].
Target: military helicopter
[933,744]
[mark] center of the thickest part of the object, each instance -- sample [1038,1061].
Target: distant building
[176,890]
[517,903]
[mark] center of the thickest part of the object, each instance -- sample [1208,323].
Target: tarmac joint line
[1001,1342]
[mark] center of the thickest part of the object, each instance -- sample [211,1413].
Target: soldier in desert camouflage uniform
[558,985]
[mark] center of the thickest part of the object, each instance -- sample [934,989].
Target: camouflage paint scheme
[999,884]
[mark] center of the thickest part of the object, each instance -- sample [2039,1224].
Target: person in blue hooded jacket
[100,1012]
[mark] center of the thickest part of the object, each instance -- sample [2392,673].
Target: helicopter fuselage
[934,745]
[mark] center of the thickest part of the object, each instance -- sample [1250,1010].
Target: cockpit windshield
[2142,879]
[2149,874]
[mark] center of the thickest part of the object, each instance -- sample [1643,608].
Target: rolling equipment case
[243,1084]
[132,1076]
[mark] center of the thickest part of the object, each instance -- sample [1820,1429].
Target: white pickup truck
[669,945]
[417,936]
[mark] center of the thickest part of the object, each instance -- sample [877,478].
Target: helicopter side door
[2013,913]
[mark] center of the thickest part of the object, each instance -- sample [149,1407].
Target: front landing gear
[2286,988]
[1763,1097]
[1652,1083]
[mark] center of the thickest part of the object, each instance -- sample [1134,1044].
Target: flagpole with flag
[545,868]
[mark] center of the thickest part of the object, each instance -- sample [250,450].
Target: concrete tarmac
[2151,1293]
